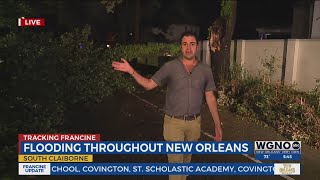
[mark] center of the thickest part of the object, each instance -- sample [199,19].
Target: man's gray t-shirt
[185,91]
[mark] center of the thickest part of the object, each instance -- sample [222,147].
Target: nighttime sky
[64,15]
[253,14]
[250,15]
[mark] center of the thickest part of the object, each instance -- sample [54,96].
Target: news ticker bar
[159,169]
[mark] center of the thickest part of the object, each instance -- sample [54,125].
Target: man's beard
[189,57]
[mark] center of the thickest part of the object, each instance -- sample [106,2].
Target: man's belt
[187,117]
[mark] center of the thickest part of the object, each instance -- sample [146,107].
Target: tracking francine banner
[73,154]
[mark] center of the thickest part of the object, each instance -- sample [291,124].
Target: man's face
[189,47]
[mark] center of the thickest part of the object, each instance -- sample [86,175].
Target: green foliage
[43,76]
[292,113]
[10,11]
[26,97]
[110,4]
[85,71]
[150,49]
[270,65]
[226,9]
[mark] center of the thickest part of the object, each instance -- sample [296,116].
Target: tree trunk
[227,40]
[137,22]
[221,59]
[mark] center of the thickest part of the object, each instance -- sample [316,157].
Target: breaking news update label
[159,169]
[34,168]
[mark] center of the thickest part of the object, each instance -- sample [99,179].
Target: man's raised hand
[123,66]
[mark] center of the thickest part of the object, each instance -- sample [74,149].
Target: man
[187,81]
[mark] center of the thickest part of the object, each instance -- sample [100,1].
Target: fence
[299,59]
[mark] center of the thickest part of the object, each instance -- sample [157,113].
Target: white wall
[308,69]
[302,59]
[256,51]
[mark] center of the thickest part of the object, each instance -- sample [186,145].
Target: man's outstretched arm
[213,107]
[124,66]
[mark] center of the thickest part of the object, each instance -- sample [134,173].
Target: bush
[294,114]
[84,69]
[42,77]
[150,49]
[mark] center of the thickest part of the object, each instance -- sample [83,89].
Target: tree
[111,4]
[134,7]
[220,33]
[10,11]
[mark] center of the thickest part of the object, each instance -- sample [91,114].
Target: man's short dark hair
[189,33]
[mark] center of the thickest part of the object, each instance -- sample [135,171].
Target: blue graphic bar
[136,147]
[162,169]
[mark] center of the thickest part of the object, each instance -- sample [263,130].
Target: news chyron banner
[72,154]
[54,138]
